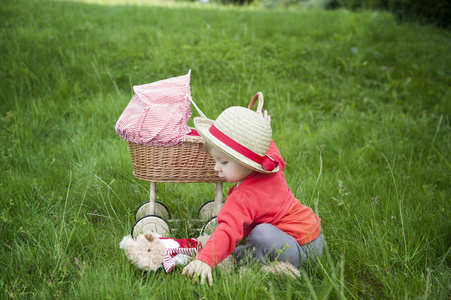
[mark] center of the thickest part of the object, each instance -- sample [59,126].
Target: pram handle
[259,96]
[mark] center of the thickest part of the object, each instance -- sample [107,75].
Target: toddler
[260,206]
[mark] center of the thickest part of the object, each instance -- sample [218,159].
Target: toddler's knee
[262,235]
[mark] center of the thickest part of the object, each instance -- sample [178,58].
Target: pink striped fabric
[158,113]
[186,247]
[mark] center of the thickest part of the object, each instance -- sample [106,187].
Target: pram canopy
[158,113]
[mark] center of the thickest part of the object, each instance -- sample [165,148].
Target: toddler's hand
[265,116]
[199,268]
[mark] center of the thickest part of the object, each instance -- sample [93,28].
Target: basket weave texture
[187,162]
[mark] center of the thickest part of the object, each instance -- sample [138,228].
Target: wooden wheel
[150,223]
[207,210]
[209,226]
[160,210]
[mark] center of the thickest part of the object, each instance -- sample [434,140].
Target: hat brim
[203,125]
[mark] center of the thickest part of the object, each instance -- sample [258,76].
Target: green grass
[360,108]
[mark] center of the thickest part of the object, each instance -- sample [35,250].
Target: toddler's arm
[199,268]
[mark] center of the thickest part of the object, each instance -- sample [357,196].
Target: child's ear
[149,237]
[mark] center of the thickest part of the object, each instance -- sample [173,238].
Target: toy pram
[183,163]
[174,162]
[164,149]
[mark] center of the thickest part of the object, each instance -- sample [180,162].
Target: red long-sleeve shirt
[260,198]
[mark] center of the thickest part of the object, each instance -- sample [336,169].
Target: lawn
[360,110]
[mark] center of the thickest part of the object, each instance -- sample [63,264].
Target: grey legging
[267,242]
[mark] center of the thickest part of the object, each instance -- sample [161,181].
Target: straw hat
[241,134]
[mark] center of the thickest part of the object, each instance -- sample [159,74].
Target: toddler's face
[228,169]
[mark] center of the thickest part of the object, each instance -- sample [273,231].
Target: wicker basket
[187,162]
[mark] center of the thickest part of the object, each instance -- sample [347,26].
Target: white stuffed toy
[150,251]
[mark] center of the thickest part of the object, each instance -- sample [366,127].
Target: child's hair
[208,147]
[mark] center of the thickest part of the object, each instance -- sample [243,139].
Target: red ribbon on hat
[268,163]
